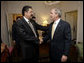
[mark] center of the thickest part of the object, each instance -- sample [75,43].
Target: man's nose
[32,13]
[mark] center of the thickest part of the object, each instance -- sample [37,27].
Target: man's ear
[25,12]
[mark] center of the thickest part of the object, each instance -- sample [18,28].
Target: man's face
[29,13]
[53,15]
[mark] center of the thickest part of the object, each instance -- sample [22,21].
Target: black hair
[33,17]
[17,17]
[25,9]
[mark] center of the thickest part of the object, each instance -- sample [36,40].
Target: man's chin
[51,19]
[30,18]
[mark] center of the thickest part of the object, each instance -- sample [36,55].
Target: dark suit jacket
[27,38]
[14,33]
[60,44]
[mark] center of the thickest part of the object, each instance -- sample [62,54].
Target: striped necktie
[30,24]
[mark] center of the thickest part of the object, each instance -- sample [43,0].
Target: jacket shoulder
[19,22]
[65,22]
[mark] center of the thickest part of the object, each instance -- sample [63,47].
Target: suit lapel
[57,28]
[26,25]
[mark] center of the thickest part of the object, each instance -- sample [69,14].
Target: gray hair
[58,11]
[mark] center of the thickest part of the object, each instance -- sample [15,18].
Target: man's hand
[64,58]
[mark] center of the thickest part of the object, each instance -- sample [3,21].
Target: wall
[80,23]
[68,6]
[4,29]
[40,9]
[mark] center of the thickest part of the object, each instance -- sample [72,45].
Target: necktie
[30,24]
[53,29]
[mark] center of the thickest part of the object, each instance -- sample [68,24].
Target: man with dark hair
[14,37]
[26,34]
[14,31]
[18,18]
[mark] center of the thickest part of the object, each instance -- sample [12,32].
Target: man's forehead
[30,9]
[52,10]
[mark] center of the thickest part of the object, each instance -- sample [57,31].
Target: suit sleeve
[40,27]
[22,33]
[47,37]
[67,36]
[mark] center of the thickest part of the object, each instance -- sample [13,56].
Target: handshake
[41,40]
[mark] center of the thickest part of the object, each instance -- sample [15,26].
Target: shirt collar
[27,20]
[57,21]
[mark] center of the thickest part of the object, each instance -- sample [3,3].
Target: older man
[60,37]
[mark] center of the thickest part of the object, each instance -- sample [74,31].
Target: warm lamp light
[45,22]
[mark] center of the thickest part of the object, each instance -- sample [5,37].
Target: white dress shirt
[54,26]
[26,19]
